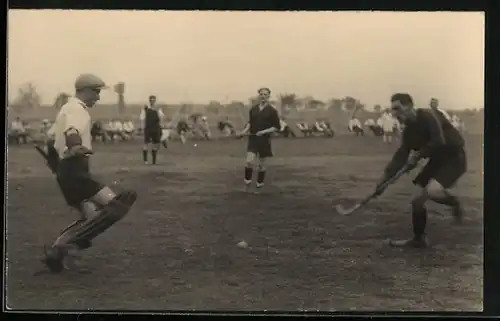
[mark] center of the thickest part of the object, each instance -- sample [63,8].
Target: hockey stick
[347,211]
[51,157]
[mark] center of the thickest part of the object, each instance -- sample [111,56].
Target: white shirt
[369,122]
[354,123]
[387,122]
[110,126]
[445,114]
[455,121]
[118,126]
[318,126]
[128,126]
[73,114]
[282,124]
[142,116]
[17,126]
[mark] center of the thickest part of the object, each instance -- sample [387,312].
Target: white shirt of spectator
[282,125]
[128,126]
[388,122]
[73,114]
[318,126]
[165,134]
[142,116]
[455,121]
[118,126]
[17,126]
[354,122]
[369,122]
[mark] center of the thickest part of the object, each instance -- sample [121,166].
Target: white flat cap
[90,81]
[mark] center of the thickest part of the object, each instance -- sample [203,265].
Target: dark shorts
[75,181]
[260,145]
[152,136]
[445,168]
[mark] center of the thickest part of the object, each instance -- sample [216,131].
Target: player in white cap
[98,205]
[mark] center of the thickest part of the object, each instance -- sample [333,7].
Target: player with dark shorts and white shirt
[152,117]
[99,207]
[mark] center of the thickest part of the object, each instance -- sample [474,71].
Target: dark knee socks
[248,174]
[419,220]
[261,175]
[154,154]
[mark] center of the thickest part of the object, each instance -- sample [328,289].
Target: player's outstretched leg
[249,165]
[145,149]
[154,153]
[79,236]
[419,222]
[441,195]
[261,174]
[155,147]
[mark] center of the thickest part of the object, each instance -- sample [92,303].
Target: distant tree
[349,103]
[315,104]
[27,98]
[377,108]
[214,107]
[335,104]
[359,106]
[287,102]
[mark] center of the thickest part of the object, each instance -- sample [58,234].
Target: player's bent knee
[113,212]
[250,160]
[435,190]
[89,209]
[104,196]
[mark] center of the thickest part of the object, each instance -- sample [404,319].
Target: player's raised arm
[436,133]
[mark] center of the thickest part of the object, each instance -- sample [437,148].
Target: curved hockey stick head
[346,211]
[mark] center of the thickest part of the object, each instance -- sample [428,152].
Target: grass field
[177,248]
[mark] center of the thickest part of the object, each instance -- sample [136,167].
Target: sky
[200,56]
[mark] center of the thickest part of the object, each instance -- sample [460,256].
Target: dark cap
[89,81]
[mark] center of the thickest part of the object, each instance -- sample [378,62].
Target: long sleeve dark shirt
[431,134]
[261,119]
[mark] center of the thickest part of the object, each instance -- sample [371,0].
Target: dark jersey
[263,119]
[182,126]
[152,119]
[431,134]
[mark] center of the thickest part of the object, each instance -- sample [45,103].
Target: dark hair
[152,96]
[403,98]
[264,89]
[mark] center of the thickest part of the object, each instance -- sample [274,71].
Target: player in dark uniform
[263,121]
[427,135]
[182,129]
[151,117]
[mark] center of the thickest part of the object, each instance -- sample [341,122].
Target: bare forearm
[246,128]
[269,130]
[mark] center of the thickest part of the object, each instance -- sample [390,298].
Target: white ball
[243,244]
[195,145]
